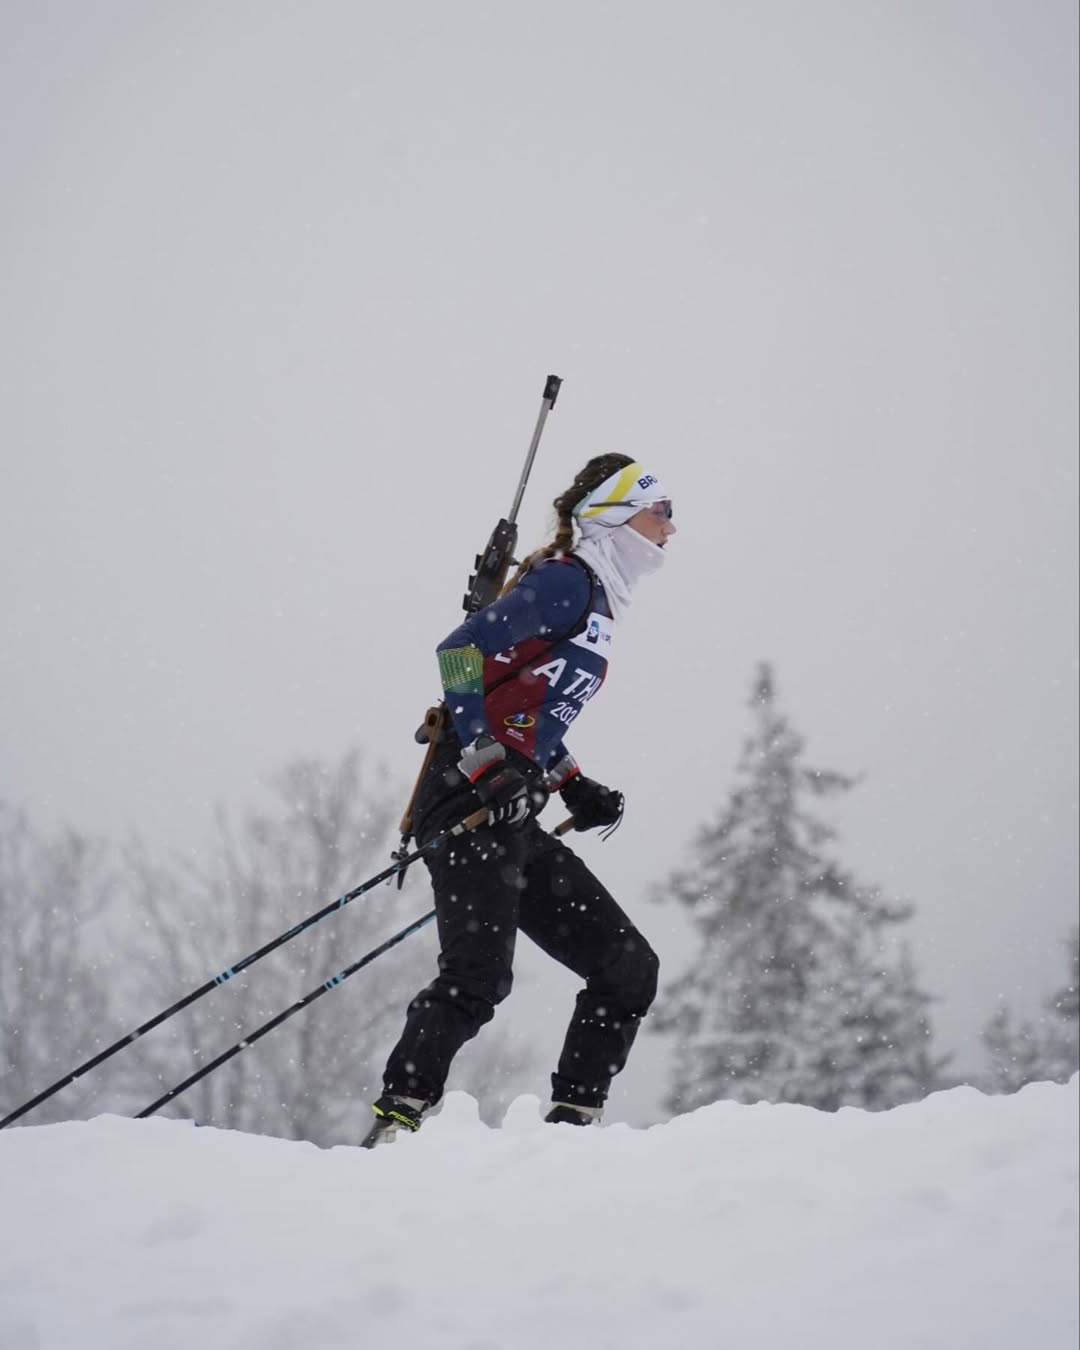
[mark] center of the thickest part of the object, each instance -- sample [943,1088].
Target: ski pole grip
[551,389]
[564,827]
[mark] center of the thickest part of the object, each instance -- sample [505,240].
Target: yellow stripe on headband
[623,482]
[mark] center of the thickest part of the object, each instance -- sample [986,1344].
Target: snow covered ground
[948,1223]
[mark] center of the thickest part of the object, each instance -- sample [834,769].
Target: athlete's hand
[501,788]
[591,804]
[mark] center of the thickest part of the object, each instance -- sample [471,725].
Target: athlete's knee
[631,976]
[477,995]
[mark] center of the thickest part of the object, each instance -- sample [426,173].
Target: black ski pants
[489,885]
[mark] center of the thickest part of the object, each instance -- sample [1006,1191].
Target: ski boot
[393,1114]
[562,1113]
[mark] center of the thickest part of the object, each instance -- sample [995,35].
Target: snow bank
[949,1223]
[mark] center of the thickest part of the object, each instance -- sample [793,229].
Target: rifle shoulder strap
[582,623]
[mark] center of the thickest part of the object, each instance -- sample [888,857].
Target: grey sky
[279,287]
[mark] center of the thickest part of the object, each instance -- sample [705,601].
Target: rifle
[485,585]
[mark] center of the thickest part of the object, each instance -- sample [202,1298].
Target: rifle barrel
[551,393]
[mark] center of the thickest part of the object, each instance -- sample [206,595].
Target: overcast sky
[279,287]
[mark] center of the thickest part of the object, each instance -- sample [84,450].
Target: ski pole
[469,823]
[258,1034]
[310,998]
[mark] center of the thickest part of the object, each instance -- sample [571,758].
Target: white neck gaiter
[619,557]
[618,554]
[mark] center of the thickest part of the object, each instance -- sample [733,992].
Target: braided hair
[590,477]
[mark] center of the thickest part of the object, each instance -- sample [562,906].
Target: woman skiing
[516,674]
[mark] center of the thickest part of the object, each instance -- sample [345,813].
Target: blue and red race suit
[522,668]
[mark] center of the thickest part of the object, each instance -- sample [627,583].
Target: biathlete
[516,674]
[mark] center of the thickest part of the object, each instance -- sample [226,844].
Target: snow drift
[948,1223]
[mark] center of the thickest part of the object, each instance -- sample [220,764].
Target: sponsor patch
[597,635]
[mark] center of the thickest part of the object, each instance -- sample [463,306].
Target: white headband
[617,499]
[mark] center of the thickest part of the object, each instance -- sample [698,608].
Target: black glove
[501,788]
[591,804]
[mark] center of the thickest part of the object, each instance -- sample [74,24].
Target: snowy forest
[803,987]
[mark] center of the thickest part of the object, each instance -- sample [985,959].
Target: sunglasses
[660,510]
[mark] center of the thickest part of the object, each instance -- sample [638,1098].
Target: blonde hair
[591,476]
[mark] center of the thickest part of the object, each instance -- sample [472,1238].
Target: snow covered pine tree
[799,991]
[1046,1050]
